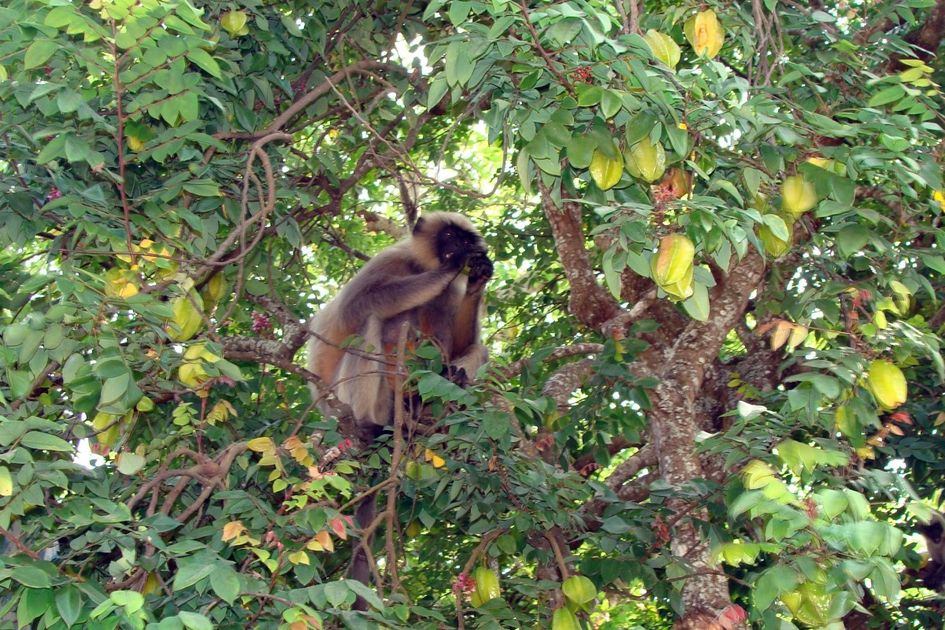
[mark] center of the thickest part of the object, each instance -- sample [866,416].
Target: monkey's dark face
[932,531]
[455,244]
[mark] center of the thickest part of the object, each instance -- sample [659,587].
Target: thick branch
[589,301]
[673,420]
[929,36]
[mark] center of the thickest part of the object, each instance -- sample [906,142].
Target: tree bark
[674,425]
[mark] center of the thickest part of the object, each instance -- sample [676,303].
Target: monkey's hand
[456,375]
[480,270]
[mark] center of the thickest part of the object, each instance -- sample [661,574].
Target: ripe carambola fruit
[704,33]
[671,266]
[487,583]
[606,171]
[663,47]
[564,619]
[797,195]
[887,383]
[645,160]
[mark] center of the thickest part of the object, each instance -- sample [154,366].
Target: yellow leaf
[151,585]
[135,143]
[6,482]
[261,445]
[120,283]
[221,411]
[431,456]
[865,452]
[292,442]
[324,539]
[299,557]
[663,48]
[233,529]
[782,331]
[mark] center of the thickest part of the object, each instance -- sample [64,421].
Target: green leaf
[203,188]
[129,463]
[697,305]
[31,577]
[131,601]
[55,148]
[69,603]
[114,388]
[495,424]
[225,582]
[589,95]
[459,66]
[640,127]
[936,263]
[580,150]
[524,177]
[39,53]
[195,621]
[832,502]
[611,274]
[610,103]
[45,442]
[337,592]
[884,97]
[777,226]
[851,239]
[203,59]
[33,603]
[438,88]
[772,583]
[366,593]
[191,571]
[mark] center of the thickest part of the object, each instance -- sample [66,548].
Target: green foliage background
[182,185]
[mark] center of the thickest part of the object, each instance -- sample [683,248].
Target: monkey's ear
[418,225]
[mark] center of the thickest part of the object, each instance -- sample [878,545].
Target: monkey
[434,281]
[933,573]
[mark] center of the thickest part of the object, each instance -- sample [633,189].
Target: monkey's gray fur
[434,280]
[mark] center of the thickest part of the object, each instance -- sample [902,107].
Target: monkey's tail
[360,569]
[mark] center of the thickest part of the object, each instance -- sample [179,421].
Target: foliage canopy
[716,322]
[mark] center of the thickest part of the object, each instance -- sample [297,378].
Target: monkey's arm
[466,323]
[387,296]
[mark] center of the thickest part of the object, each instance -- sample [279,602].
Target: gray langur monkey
[434,281]
[933,573]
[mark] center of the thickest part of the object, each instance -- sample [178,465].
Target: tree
[716,319]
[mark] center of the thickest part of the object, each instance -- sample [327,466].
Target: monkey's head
[446,239]
[932,530]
